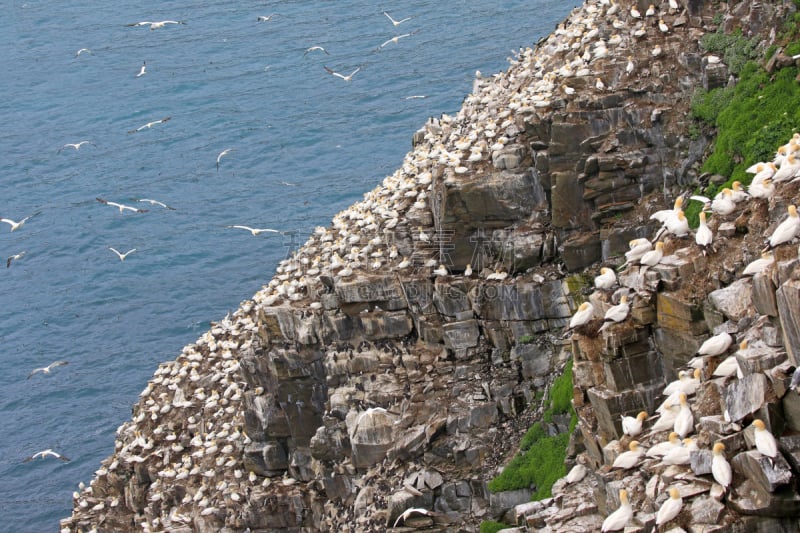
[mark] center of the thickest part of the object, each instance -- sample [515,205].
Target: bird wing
[332,72]
[115,251]
[700,199]
[62,457]
[143,23]
[390,18]
[248,228]
[354,72]
[34,371]
[101,200]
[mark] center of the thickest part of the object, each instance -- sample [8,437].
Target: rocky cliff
[383,368]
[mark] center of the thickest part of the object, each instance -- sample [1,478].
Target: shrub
[525,339]
[540,462]
[734,49]
[706,105]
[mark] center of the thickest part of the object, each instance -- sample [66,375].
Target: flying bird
[47,369]
[77,146]
[156,202]
[120,254]
[396,38]
[150,124]
[396,22]
[157,24]
[143,70]
[222,154]
[256,231]
[314,49]
[345,78]
[408,512]
[45,453]
[121,207]
[262,18]
[82,51]
[14,258]
[17,225]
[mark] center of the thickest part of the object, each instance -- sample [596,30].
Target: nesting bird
[631,458]
[786,230]
[632,426]
[583,315]
[765,442]
[720,468]
[684,421]
[606,280]
[616,313]
[670,508]
[619,518]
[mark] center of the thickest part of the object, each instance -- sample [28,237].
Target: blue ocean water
[305,145]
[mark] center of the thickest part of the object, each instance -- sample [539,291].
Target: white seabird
[314,49]
[631,458]
[143,70]
[759,265]
[122,207]
[157,24]
[14,258]
[396,38]
[76,146]
[632,426]
[704,236]
[349,77]
[619,518]
[150,124]
[583,315]
[670,508]
[17,225]
[765,442]
[47,369]
[396,22]
[156,202]
[120,254]
[222,154]
[606,280]
[786,230]
[45,453]
[256,231]
[720,468]
[616,313]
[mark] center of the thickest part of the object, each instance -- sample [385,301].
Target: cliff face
[375,373]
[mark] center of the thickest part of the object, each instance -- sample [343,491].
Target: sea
[303,145]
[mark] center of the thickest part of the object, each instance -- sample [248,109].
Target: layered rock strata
[382,369]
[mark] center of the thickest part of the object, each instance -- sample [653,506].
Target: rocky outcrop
[374,374]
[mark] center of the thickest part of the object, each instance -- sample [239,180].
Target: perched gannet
[678,226]
[120,254]
[45,453]
[349,77]
[759,265]
[651,11]
[616,313]
[680,455]
[150,124]
[396,22]
[14,258]
[633,426]
[498,274]
[786,230]
[599,85]
[765,442]
[720,468]
[635,12]
[662,26]
[76,146]
[666,421]
[121,207]
[583,315]
[142,70]
[789,168]
[637,248]
[17,225]
[684,421]
[670,508]
[728,367]
[630,458]
[468,271]
[722,204]
[762,189]
[48,368]
[156,25]
[606,280]
[704,236]
[661,449]
[255,231]
[441,271]
[576,474]
[619,518]
[664,215]
[716,345]
[653,257]
[686,383]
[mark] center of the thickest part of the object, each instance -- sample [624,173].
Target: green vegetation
[734,49]
[763,114]
[490,526]
[525,339]
[540,462]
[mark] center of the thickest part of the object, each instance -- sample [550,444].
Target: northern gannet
[17,225]
[396,22]
[45,453]
[47,369]
[349,77]
[120,254]
[619,518]
[121,207]
[670,508]
[76,146]
[256,231]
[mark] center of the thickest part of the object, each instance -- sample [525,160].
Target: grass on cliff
[752,119]
[540,462]
[490,526]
